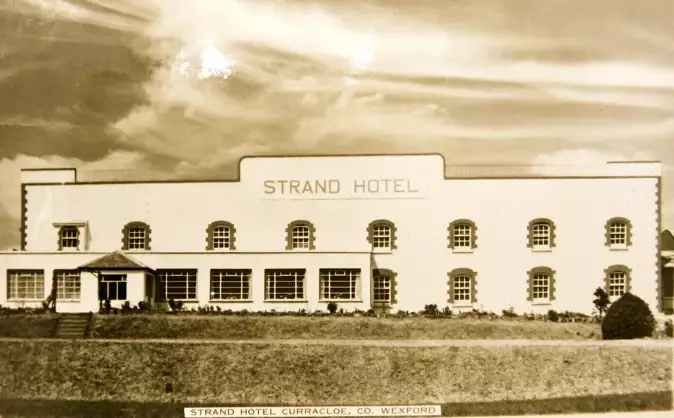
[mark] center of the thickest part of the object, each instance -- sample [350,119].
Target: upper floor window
[618,233]
[25,285]
[541,234]
[461,287]
[220,236]
[541,285]
[617,280]
[462,235]
[136,236]
[300,235]
[69,237]
[381,235]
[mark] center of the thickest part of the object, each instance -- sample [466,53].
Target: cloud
[586,156]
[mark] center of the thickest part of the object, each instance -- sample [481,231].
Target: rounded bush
[628,318]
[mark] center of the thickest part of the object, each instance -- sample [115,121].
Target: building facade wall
[410,192]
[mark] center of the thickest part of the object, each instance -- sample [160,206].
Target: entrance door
[112,287]
[667,289]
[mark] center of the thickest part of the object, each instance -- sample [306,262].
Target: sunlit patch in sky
[206,62]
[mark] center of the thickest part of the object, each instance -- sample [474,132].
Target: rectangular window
[617,283]
[340,284]
[284,284]
[137,238]
[618,234]
[230,284]
[541,236]
[179,284]
[112,287]
[462,236]
[221,237]
[462,289]
[67,284]
[381,286]
[25,285]
[69,237]
[541,287]
[381,236]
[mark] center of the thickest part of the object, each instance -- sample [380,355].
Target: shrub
[431,310]
[332,307]
[669,328]
[601,301]
[628,318]
[175,305]
[553,316]
[509,313]
[447,312]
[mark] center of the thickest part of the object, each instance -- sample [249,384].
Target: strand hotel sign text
[343,188]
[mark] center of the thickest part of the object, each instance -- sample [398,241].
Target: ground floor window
[25,284]
[339,284]
[381,286]
[112,287]
[284,284]
[179,284]
[230,284]
[462,288]
[67,284]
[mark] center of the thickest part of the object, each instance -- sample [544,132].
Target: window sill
[462,251]
[541,250]
[541,303]
[24,300]
[69,250]
[286,301]
[463,306]
[618,248]
[340,301]
[68,300]
[230,301]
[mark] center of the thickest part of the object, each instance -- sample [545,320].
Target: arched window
[617,280]
[69,237]
[541,285]
[381,234]
[220,235]
[136,236]
[300,235]
[618,233]
[541,234]
[462,235]
[461,287]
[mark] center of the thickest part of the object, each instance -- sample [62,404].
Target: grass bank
[303,375]
[28,325]
[353,328]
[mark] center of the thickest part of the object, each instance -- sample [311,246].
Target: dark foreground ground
[653,401]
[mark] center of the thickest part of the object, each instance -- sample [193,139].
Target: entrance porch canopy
[116,260]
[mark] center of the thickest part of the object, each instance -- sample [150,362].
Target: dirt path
[383,343]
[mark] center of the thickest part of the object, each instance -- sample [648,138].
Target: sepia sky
[167,84]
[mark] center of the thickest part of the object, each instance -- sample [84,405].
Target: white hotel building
[373,231]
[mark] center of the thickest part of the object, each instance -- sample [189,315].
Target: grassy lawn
[354,328]
[306,375]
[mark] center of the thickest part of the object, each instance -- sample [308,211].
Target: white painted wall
[421,209]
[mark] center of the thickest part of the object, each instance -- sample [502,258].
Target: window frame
[452,236]
[531,236]
[210,236]
[19,273]
[297,273]
[355,284]
[452,276]
[608,232]
[392,286]
[617,268]
[393,238]
[290,235]
[61,238]
[123,279]
[541,270]
[126,236]
[245,275]
[191,279]
[60,279]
